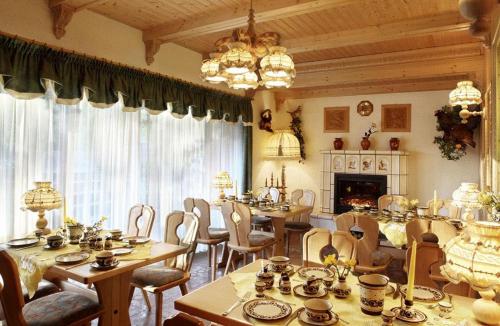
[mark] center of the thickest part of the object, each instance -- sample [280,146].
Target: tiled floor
[200,276]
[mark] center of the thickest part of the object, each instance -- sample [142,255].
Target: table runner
[347,309]
[33,262]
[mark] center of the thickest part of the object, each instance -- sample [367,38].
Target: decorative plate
[23,242]
[139,239]
[72,258]
[318,272]
[298,290]
[303,318]
[121,251]
[365,108]
[95,265]
[424,293]
[419,317]
[267,309]
[47,247]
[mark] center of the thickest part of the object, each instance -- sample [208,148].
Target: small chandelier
[464,96]
[238,57]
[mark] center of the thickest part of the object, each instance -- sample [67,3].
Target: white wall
[427,169]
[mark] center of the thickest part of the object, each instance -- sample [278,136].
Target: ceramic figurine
[285,284]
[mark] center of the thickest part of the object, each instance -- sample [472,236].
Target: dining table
[278,218]
[112,286]
[212,300]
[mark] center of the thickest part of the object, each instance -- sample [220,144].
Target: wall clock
[365,108]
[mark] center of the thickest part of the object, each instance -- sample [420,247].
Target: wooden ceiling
[339,46]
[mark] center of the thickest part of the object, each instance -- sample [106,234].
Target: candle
[434,204]
[411,271]
[64,211]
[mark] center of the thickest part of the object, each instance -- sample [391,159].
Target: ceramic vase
[365,143]
[75,233]
[338,143]
[341,290]
[394,144]
[372,293]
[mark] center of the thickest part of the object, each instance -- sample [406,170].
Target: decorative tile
[352,164]
[338,163]
[367,165]
[383,164]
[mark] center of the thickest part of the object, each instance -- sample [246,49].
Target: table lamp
[473,257]
[42,198]
[282,145]
[467,197]
[222,181]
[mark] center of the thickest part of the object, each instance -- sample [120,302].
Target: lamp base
[41,223]
[486,310]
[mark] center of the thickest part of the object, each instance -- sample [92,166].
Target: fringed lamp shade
[282,145]
[473,257]
[467,196]
[222,181]
[465,94]
[238,60]
[42,198]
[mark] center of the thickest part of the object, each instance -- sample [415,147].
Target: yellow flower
[351,262]
[330,260]
[70,220]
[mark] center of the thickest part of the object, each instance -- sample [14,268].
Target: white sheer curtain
[105,160]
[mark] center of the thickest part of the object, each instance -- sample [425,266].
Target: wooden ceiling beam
[265,11]
[448,22]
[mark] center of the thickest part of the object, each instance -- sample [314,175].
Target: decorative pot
[372,293]
[338,143]
[75,233]
[365,143]
[394,143]
[341,290]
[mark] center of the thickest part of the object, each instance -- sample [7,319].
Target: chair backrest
[308,198]
[237,218]
[262,192]
[189,204]
[11,294]
[296,195]
[369,242]
[275,194]
[316,239]
[190,223]
[390,202]
[444,231]
[202,209]
[428,253]
[140,220]
[345,222]
[414,230]
[462,289]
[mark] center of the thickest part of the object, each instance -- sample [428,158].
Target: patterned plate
[298,290]
[24,242]
[419,317]
[95,265]
[121,251]
[139,239]
[424,293]
[267,309]
[72,258]
[303,318]
[318,272]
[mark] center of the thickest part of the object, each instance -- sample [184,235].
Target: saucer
[298,290]
[95,265]
[303,318]
[47,247]
[419,317]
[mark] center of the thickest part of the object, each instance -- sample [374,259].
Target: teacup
[279,263]
[311,285]
[388,317]
[104,258]
[260,287]
[318,310]
[55,241]
[444,309]
[328,282]
[116,234]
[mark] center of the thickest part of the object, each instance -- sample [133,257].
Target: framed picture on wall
[336,119]
[396,117]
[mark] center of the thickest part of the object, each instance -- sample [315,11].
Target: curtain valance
[25,66]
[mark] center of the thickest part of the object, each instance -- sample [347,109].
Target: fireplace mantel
[392,164]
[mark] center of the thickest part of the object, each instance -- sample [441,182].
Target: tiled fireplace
[360,177]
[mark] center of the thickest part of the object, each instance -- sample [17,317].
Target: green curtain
[24,67]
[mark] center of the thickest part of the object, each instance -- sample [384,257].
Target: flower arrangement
[372,130]
[342,266]
[68,220]
[491,202]
[98,225]
[408,204]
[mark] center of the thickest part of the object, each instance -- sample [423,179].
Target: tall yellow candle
[434,204]
[411,271]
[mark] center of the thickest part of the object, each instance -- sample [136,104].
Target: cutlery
[237,303]
[294,315]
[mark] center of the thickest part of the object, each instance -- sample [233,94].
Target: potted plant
[365,142]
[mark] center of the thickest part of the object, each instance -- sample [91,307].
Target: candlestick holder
[408,313]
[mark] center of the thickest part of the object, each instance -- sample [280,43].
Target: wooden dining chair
[389,202]
[300,224]
[175,271]
[444,230]
[242,238]
[140,220]
[414,230]
[211,237]
[318,239]
[369,258]
[262,222]
[183,319]
[345,222]
[57,309]
[428,254]
[275,194]
[296,195]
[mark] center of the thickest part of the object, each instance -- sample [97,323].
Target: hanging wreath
[297,130]
[456,135]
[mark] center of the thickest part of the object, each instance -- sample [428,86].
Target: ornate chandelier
[237,59]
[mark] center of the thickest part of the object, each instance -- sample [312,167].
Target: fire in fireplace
[358,189]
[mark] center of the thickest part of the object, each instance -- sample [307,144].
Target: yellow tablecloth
[33,262]
[348,309]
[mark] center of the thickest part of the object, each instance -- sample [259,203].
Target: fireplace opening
[358,189]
